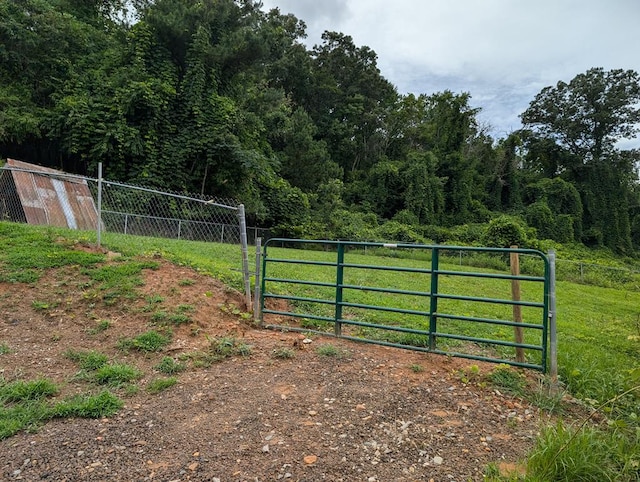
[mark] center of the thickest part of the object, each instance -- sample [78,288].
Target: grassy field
[413,300]
[598,328]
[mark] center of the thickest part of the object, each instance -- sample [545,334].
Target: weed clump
[160,384]
[150,341]
[169,366]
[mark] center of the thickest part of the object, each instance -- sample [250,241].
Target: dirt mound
[326,409]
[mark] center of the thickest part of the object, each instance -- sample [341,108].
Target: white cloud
[501,51]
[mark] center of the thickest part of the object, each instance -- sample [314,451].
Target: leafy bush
[564,228]
[438,234]
[395,231]
[505,231]
[351,225]
[539,216]
[406,217]
[469,233]
[228,346]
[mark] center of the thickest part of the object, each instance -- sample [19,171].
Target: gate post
[553,336]
[256,286]
[339,280]
[433,306]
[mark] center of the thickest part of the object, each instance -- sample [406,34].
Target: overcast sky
[503,52]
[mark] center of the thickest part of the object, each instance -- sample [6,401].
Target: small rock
[193,466]
[265,448]
[310,459]
[306,341]
[438,460]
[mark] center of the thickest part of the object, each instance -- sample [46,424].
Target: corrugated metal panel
[53,199]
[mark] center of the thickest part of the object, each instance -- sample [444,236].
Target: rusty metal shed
[40,195]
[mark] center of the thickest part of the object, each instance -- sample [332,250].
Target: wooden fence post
[517,309]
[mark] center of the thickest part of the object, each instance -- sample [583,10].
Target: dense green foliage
[220,97]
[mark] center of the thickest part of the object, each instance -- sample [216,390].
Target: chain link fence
[146,212]
[59,199]
[36,195]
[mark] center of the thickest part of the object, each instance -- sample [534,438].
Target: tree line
[220,97]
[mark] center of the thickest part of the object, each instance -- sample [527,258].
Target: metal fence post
[433,308]
[245,256]
[256,293]
[553,337]
[99,226]
[339,281]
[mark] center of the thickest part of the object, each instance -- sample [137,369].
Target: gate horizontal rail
[339,286]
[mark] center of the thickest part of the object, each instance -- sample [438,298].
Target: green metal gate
[411,296]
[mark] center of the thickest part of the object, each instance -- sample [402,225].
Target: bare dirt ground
[370,414]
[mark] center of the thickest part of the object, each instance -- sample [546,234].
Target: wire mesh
[124,208]
[136,210]
[10,205]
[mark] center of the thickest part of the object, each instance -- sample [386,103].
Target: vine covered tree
[575,128]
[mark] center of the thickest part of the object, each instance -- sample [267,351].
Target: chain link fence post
[245,256]
[99,207]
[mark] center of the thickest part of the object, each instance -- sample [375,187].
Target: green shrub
[539,216]
[563,230]
[398,232]
[406,217]
[351,225]
[438,234]
[469,233]
[331,351]
[505,231]
[283,353]
[507,378]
